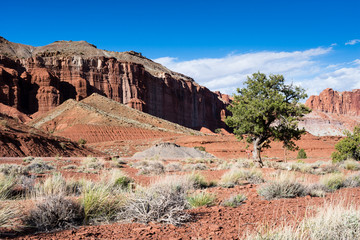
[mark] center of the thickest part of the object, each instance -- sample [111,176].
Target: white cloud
[344,78]
[228,73]
[353,42]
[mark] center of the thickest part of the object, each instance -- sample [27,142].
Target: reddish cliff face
[38,84]
[331,101]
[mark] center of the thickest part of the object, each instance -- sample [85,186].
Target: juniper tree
[267,109]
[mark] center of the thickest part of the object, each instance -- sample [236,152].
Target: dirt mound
[172,151]
[20,140]
[100,119]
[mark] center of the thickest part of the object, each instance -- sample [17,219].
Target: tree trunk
[256,153]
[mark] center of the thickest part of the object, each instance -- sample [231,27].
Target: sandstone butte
[35,80]
[330,101]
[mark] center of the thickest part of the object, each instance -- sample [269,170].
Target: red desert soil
[20,140]
[215,222]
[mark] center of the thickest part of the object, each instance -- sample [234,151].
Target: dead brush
[150,167]
[54,213]
[164,202]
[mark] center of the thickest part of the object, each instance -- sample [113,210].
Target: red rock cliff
[40,83]
[331,101]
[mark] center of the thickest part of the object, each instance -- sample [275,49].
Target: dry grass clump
[224,165]
[195,167]
[164,202]
[7,185]
[352,180]
[234,200]
[244,163]
[318,168]
[38,166]
[92,163]
[201,199]
[117,162]
[13,170]
[284,186]
[150,167]
[202,160]
[173,167]
[331,222]
[237,176]
[54,213]
[71,167]
[8,215]
[117,180]
[350,164]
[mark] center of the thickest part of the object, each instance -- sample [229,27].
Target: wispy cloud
[353,42]
[228,73]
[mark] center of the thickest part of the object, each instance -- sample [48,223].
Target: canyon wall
[330,101]
[39,83]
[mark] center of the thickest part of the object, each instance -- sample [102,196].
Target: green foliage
[82,141]
[201,199]
[301,154]
[234,201]
[218,130]
[200,148]
[348,147]
[267,109]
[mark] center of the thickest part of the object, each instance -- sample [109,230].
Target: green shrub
[234,201]
[301,154]
[81,142]
[333,181]
[348,147]
[218,130]
[201,199]
[200,148]
[55,213]
[198,181]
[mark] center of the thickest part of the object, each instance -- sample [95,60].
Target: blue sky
[218,43]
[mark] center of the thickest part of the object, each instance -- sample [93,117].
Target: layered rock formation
[20,140]
[330,101]
[35,80]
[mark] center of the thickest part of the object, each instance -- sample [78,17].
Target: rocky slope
[37,79]
[100,119]
[20,140]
